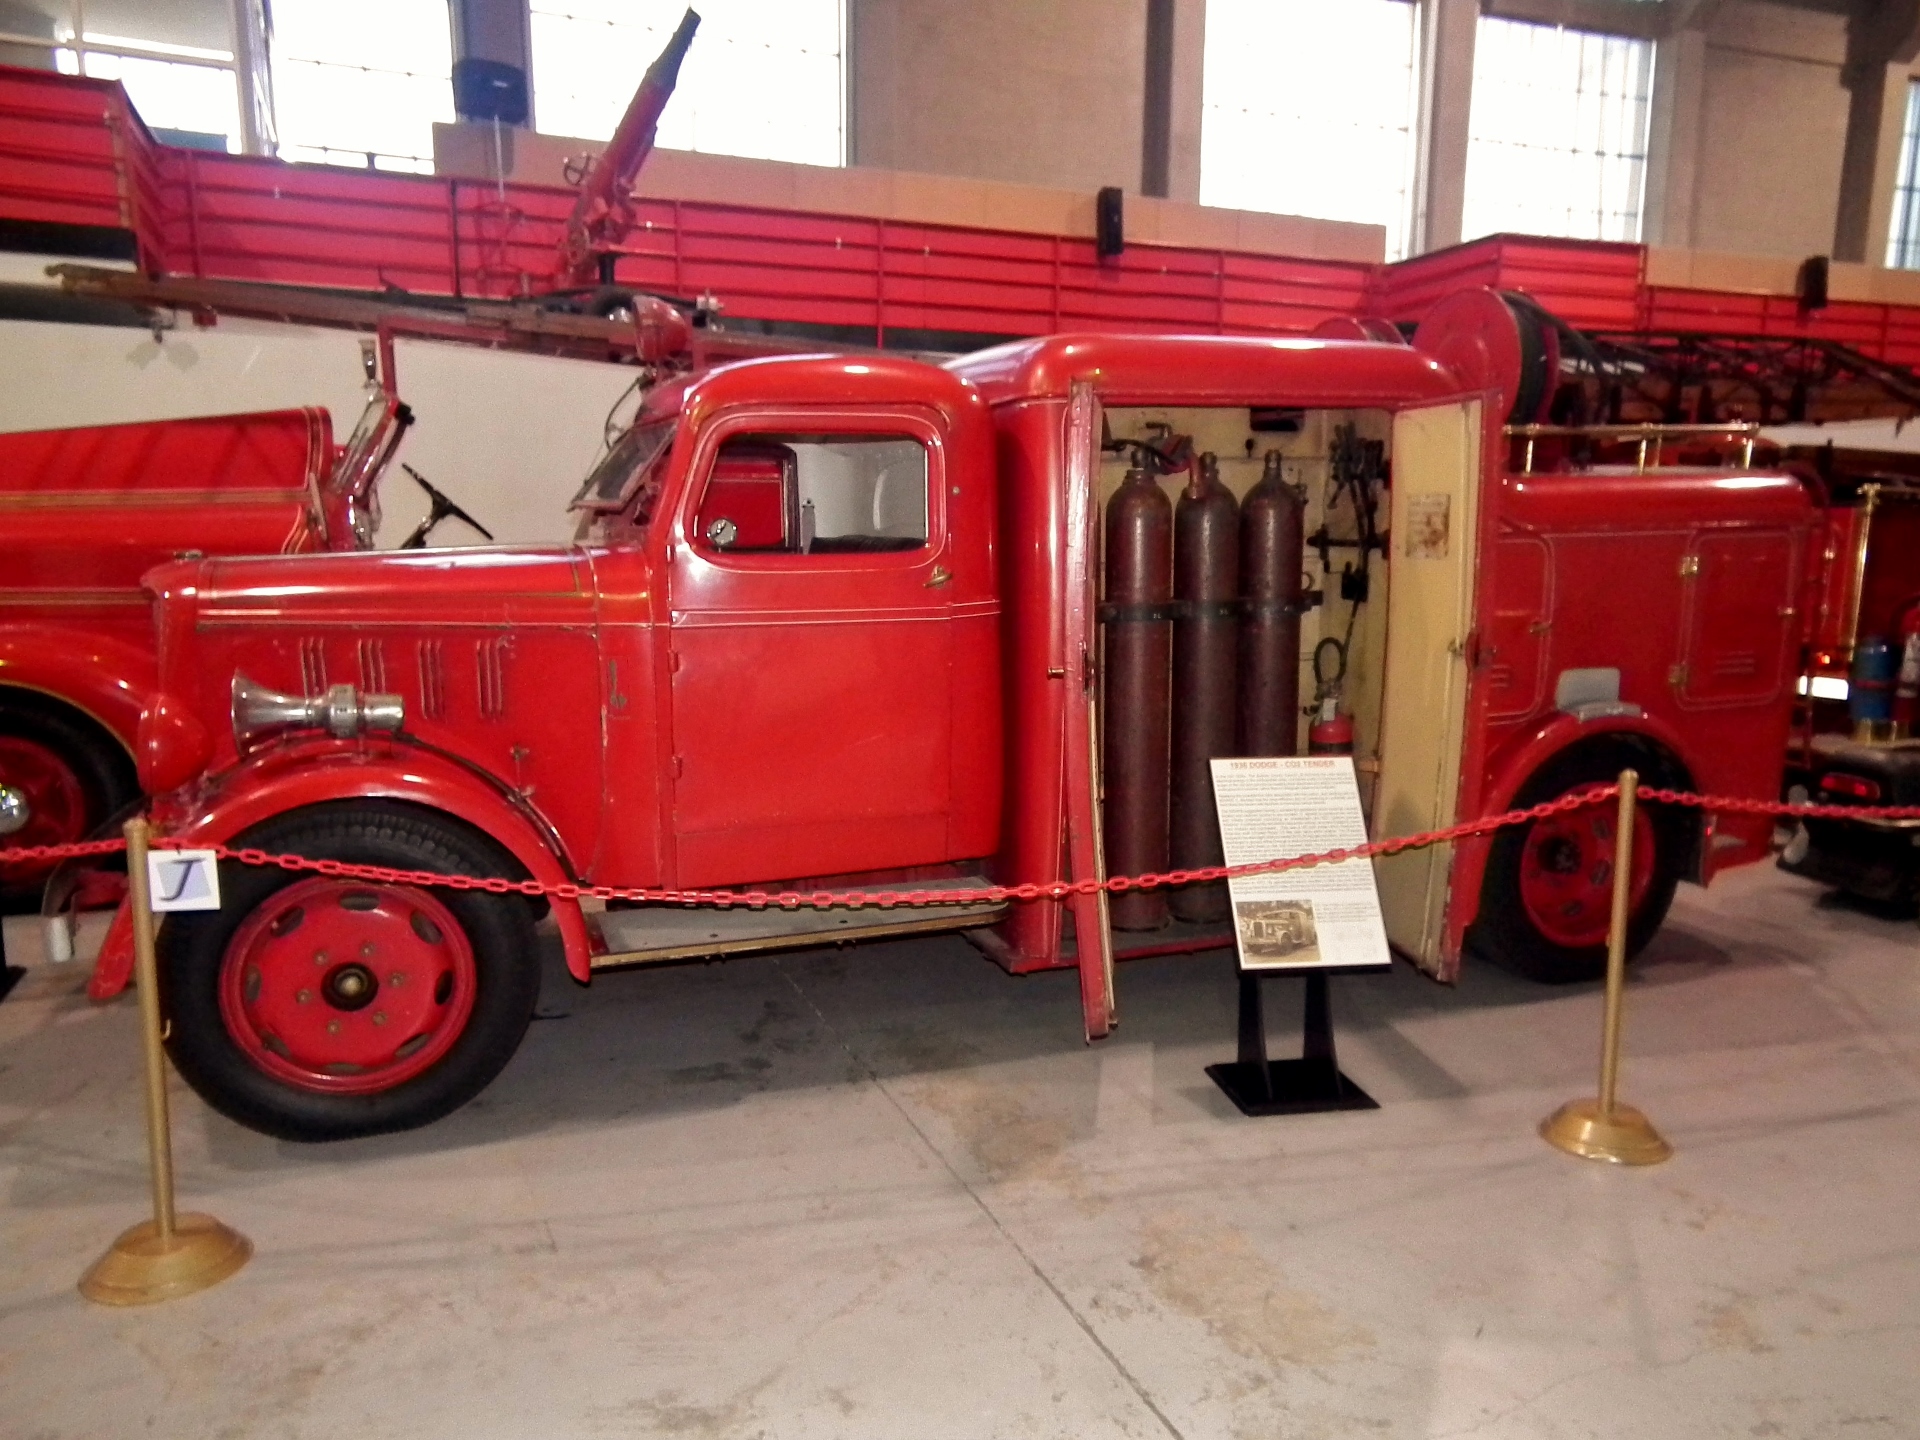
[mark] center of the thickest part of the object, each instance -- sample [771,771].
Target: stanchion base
[1625,1137]
[138,1270]
[1289,1087]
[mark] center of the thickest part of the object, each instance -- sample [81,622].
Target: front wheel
[1547,899]
[317,1008]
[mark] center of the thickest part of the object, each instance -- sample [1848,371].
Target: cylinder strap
[1156,612]
[1206,609]
[1270,608]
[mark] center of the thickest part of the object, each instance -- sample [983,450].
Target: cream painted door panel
[1430,580]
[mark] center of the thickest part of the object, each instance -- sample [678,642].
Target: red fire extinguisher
[1906,688]
[1332,730]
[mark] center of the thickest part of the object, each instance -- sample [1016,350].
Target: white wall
[508,437]
[1036,94]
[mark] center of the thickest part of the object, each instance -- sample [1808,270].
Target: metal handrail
[1648,435]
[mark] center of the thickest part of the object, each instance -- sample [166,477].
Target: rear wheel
[1547,898]
[318,1008]
[61,777]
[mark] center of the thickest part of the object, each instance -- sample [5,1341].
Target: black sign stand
[1312,1083]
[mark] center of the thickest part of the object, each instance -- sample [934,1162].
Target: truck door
[1741,622]
[1430,600]
[811,646]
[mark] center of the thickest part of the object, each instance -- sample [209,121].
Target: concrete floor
[886,1192]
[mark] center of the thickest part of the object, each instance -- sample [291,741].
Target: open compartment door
[1430,604]
[1093,936]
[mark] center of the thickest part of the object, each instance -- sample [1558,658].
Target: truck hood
[493,584]
[309,625]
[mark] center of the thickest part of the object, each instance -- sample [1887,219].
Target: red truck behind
[85,512]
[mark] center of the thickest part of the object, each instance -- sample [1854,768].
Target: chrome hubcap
[14,810]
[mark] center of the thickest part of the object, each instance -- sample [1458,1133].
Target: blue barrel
[1870,685]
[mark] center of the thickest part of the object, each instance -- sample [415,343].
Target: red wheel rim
[345,988]
[56,802]
[1566,874]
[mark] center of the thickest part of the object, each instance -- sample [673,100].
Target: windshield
[631,466]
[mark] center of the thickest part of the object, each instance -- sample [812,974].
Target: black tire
[1506,934]
[102,766]
[497,928]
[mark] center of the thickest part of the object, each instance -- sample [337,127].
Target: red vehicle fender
[108,679]
[1519,760]
[294,776]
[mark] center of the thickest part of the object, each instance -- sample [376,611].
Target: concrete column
[1188,100]
[259,133]
[1882,39]
[1673,139]
[1876,116]
[1156,110]
[1447,30]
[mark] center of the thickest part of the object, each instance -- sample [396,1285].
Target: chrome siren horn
[343,712]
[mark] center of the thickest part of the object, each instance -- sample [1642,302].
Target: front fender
[1512,765]
[290,777]
[110,680]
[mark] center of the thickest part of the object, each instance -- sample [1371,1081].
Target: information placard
[1319,917]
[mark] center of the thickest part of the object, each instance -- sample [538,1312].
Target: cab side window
[815,495]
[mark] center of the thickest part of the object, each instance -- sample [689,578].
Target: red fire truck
[851,620]
[86,512]
[1859,745]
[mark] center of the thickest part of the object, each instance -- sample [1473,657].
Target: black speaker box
[490,90]
[1109,229]
[1813,283]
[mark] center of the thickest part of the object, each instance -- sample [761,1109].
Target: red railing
[73,152]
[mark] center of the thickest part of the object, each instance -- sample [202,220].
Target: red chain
[1052,890]
[28,854]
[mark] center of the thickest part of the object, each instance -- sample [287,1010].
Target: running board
[657,933]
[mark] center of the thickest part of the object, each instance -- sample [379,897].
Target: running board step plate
[656,933]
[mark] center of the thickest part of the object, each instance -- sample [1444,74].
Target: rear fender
[292,777]
[108,680]
[1513,765]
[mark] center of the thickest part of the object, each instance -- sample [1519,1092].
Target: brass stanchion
[1604,1129]
[170,1255]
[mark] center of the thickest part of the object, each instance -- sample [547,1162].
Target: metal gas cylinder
[1271,555]
[1206,574]
[1870,682]
[1137,619]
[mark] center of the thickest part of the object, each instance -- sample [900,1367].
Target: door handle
[941,575]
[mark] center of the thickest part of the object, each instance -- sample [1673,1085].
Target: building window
[1558,134]
[1309,109]
[1903,243]
[185,94]
[764,77]
[361,82]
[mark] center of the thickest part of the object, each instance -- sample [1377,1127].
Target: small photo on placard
[1278,932]
[183,880]
[1318,917]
